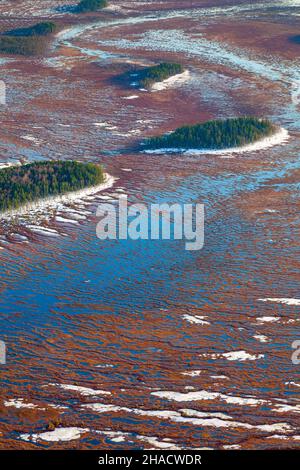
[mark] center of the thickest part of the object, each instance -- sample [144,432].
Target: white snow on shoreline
[283,300]
[175,80]
[279,138]
[52,202]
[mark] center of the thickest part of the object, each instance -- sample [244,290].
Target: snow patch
[59,434]
[84,391]
[197,319]
[283,300]
[132,97]
[19,403]
[178,79]
[241,356]
[267,319]
[205,395]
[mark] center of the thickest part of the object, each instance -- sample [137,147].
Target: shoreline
[280,137]
[177,79]
[53,202]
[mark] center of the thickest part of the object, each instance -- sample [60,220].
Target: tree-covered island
[214,135]
[146,77]
[28,41]
[28,183]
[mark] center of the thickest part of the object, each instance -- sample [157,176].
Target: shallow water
[115,316]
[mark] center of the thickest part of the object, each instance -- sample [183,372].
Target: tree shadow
[129,79]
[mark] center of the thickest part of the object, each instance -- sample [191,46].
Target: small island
[157,73]
[215,135]
[28,183]
[32,40]
[90,5]
[147,78]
